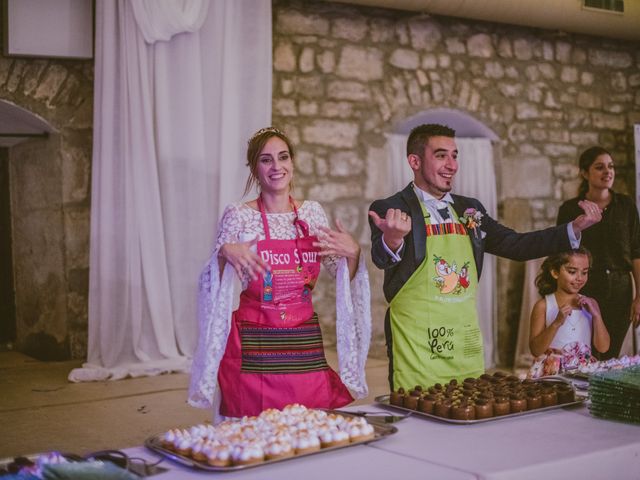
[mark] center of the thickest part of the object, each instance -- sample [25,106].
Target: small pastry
[549,397]
[360,430]
[517,403]
[218,455]
[426,403]
[397,397]
[501,406]
[411,402]
[334,438]
[442,408]
[534,399]
[484,408]
[417,391]
[463,411]
[565,393]
[247,453]
[277,450]
[305,442]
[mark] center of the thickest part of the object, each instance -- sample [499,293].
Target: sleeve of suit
[508,243]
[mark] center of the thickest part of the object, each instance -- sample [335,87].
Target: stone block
[618,82]
[295,22]
[76,168]
[429,61]
[563,52]
[425,34]
[352,29]
[308,108]
[455,46]
[522,49]
[285,107]
[333,133]
[561,150]
[360,63]
[336,109]
[569,74]
[381,30]
[53,79]
[353,91]
[345,163]
[525,111]
[329,192]
[405,59]
[609,58]
[284,57]
[480,45]
[307,60]
[517,181]
[504,48]
[493,70]
[326,61]
[608,121]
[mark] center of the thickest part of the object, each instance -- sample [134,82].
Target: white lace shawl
[215,302]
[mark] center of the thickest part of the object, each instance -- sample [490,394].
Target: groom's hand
[592,215]
[395,225]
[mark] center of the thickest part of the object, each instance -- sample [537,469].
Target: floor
[41,411]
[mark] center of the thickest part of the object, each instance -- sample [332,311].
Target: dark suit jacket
[495,239]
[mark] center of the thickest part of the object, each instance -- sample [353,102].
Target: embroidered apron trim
[445,229]
[283,350]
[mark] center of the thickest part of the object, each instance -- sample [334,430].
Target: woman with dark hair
[614,244]
[269,352]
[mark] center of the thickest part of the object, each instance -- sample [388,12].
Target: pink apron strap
[301,225]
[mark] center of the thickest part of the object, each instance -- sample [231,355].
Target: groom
[431,244]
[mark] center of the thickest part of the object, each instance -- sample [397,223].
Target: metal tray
[383,400]
[153,443]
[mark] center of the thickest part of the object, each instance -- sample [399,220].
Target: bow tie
[444,213]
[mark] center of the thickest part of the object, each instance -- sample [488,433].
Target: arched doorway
[17,126]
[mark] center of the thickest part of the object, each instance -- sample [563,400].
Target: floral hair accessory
[263,131]
[472,219]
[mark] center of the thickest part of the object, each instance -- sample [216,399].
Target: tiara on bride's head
[265,130]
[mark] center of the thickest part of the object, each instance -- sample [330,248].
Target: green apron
[434,321]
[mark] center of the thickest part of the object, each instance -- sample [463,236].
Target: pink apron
[274,354]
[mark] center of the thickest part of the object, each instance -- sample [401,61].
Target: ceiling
[557,15]
[18,125]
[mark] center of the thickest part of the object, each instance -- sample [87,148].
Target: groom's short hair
[420,135]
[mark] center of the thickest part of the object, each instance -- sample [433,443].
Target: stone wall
[50,194]
[346,75]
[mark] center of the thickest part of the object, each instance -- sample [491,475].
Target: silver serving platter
[153,443]
[383,400]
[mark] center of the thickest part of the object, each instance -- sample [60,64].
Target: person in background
[269,352]
[563,321]
[430,244]
[614,244]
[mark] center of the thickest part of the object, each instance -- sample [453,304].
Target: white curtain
[475,178]
[179,87]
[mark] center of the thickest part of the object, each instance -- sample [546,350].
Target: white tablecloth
[560,444]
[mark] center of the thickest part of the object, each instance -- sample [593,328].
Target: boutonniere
[472,219]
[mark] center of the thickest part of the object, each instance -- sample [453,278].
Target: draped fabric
[162,19]
[171,119]
[475,178]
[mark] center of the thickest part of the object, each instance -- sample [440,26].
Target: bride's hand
[243,259]
[338,242]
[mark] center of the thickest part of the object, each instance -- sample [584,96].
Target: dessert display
[576,359]
[273,435]
[485,397]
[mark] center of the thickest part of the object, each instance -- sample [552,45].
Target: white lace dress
[241,223]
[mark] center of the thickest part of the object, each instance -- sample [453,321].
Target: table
[564,443]
[355,463]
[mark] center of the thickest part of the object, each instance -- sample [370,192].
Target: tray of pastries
[483,399]
[273,436]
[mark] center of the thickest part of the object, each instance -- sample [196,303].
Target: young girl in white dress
[565,323]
